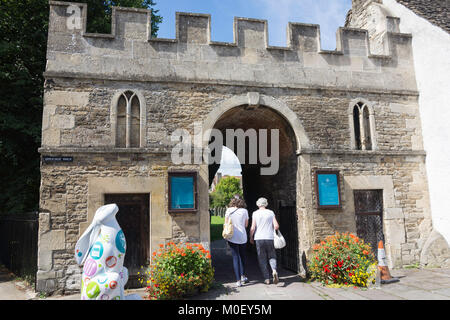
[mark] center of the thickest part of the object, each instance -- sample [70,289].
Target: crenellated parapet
[129,53]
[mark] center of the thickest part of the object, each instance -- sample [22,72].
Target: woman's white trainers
[238,284]
[275,277]
[244,279]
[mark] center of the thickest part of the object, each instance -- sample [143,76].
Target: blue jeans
[237,251]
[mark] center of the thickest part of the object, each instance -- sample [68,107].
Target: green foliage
[99,13]
[177,271]
[343,259]
[23,32]
[23,45]
[225,190]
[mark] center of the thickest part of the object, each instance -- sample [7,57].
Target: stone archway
[255,99]
[255,111]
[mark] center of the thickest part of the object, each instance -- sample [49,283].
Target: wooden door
[134,219]
[369,216]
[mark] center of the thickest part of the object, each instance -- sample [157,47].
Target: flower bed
[344,260]
[177,271]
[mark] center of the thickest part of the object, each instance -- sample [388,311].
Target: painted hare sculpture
[102,250]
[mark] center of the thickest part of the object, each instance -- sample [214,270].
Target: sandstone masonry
[307,92]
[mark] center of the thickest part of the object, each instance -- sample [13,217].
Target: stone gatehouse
[112,102]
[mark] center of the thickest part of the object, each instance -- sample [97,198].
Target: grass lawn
[216,227]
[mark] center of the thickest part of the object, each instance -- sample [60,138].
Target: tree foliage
[99,13]
[225,190]
[23,45]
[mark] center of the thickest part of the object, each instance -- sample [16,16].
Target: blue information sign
[182,192]
[328,189]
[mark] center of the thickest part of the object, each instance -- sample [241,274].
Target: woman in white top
[238,214]
[263,225]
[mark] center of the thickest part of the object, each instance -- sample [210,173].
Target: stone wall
[71,193]
[192,79]
[435,11]
[430,45]
[358,5]
[323,114]
[406,220]
[128,53]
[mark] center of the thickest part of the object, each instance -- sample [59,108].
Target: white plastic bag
[278,240]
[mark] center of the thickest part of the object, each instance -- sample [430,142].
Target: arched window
[362,125]
[128,119]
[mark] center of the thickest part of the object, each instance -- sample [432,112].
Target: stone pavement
[414,284]
[12,288]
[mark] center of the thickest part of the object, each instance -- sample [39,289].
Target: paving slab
[12,288]
[414,284]
[422,295]
[378,294]
[443,292]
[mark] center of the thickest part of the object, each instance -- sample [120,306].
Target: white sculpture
[102,250]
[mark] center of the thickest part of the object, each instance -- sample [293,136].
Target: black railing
[217,211]
[18,243]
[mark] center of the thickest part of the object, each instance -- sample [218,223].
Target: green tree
[225,190]
[99,13]
[23,45]
[23,42]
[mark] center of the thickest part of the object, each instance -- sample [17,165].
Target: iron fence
[217,211]
[18,243]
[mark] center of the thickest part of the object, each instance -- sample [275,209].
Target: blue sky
[329,14]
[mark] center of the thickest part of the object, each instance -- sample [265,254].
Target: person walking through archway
[263,225]
[238,214]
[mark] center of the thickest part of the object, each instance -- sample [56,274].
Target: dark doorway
[369,216]
[288,223]
[278,188]
[133,218]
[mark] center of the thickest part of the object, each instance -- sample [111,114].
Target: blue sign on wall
[328,189]
[182,192]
